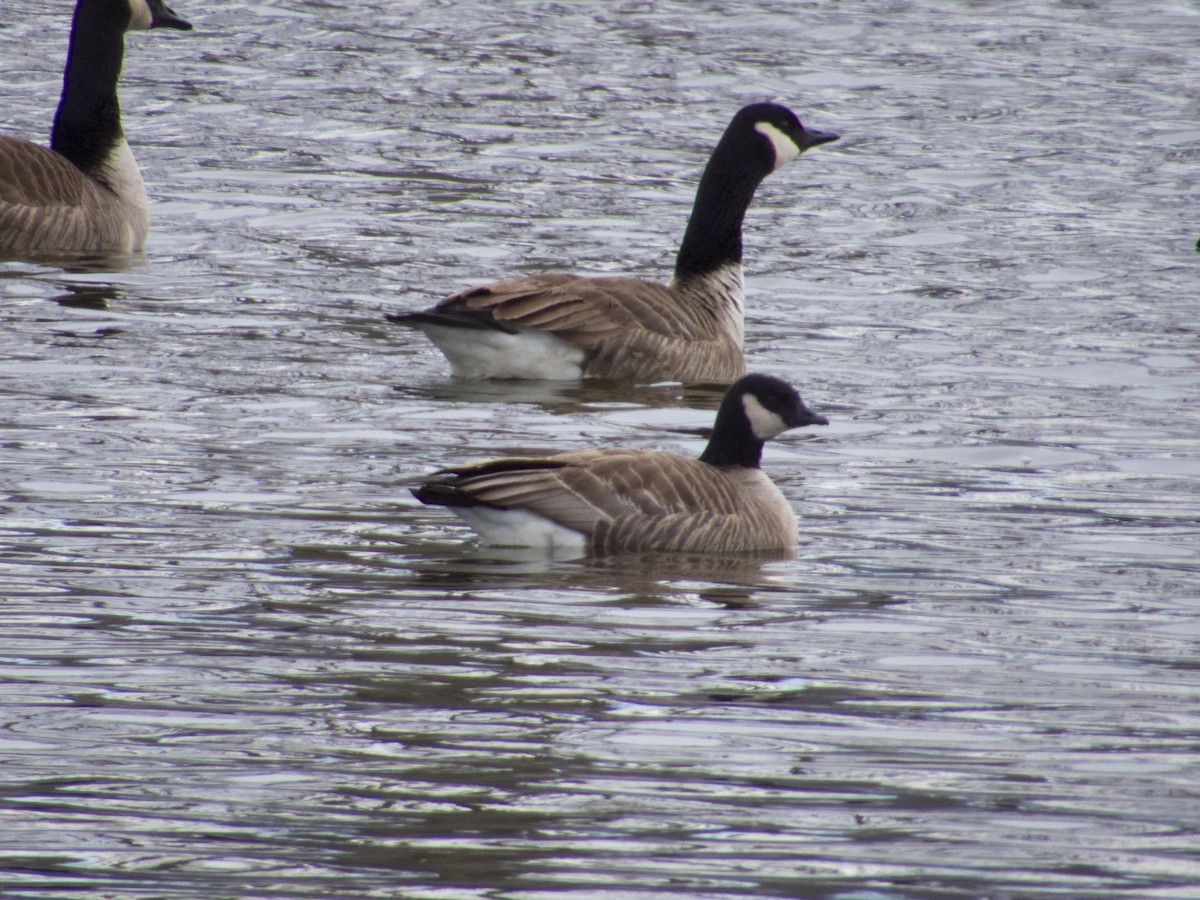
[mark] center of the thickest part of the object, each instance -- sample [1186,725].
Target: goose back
[600,327]
[627,500]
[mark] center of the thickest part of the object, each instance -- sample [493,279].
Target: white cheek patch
[764,423]
[785,148]
[140,17]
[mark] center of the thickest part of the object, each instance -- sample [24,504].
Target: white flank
[785,148]
[519,528]
[476,353]
[764,423]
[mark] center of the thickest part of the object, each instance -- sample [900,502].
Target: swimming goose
[84,192]
[563,326]
[612,501]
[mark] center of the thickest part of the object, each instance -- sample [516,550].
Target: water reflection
[566,398]
[87,297]
[74,261]
[647,576]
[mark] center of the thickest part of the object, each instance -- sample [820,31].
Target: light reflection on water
[240,661]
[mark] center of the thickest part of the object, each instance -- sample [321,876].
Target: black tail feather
[435,494]
[459,317]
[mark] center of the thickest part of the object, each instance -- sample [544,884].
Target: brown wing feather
[684,505]
[33,175]
[586,309]
[624,500]
[627,328]
[46,201]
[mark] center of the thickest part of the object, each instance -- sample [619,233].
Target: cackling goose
[613,501]
[84,192]
[555,325]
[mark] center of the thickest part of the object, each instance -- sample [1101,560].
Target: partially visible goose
[612,501]
[85,192]
[562,326]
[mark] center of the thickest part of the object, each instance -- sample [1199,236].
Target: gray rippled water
[239,661]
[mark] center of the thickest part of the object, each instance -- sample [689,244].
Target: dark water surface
[239,661]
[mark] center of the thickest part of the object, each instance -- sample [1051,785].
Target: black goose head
[87,124]
[773,134]
[760,138]
[155,14]
[755,409]
[96,21]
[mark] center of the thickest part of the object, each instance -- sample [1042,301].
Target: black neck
[714,232]
[88,122]
[733,442]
